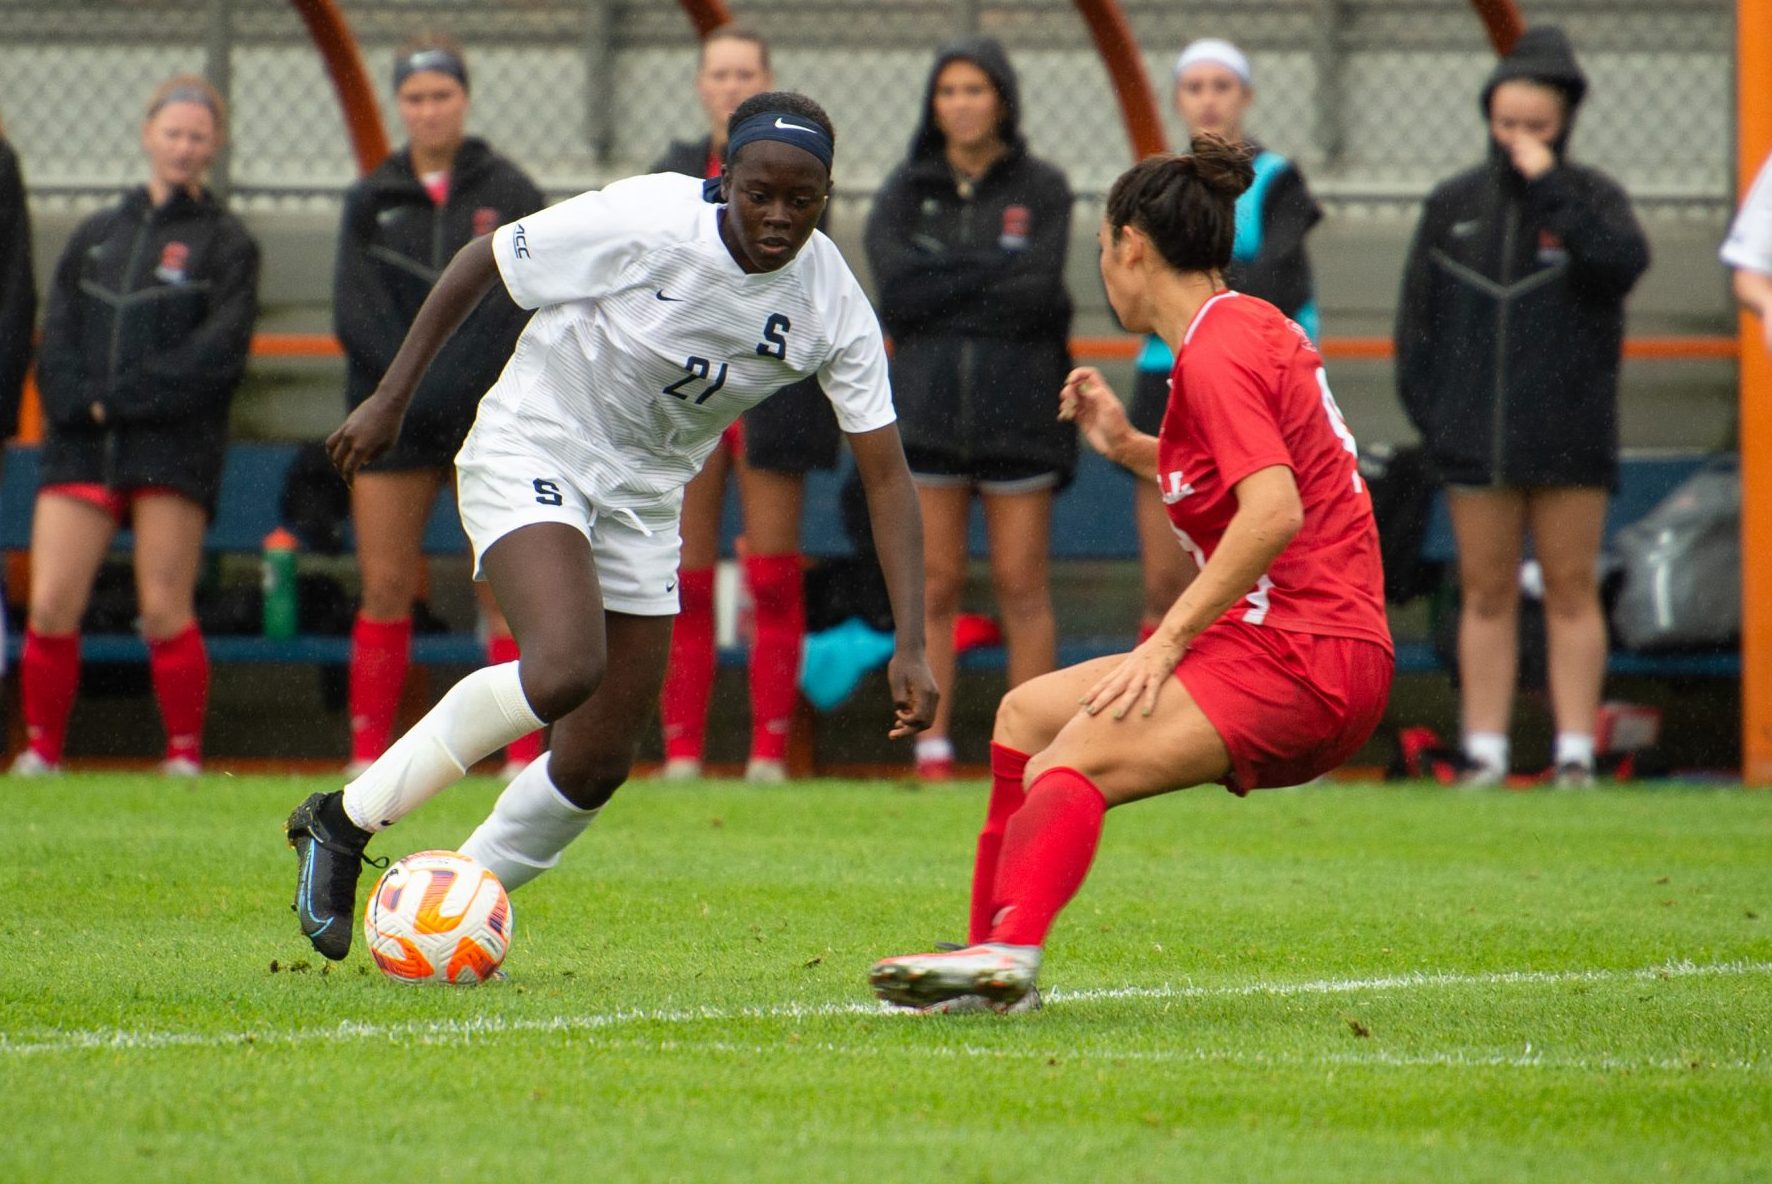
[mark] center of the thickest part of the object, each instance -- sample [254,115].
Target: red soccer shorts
[115,502]
[1288,706]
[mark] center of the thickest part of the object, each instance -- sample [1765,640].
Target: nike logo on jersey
[793,127]
[673,299]
[670,585]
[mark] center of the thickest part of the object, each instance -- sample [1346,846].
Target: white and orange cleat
[1002,976]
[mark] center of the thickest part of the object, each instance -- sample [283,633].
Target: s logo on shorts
[547,493]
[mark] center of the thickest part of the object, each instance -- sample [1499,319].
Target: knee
[1490,596]
[1570,596]
[1021,598]
[54,617]
[588,780]
[165,621]
[388,595]
[1013,727]
[942,589]
[558,679]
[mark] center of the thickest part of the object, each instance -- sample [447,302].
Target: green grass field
[1340,983]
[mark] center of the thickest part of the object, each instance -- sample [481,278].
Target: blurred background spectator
[1509,332]
[771,450]
[402,225]
[1214,88]
[18,310]
[967,242]
[149,322]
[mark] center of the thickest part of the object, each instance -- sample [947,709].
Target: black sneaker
[329,858]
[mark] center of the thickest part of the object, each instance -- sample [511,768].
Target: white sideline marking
[453,1030]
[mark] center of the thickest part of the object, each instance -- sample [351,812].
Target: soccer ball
[438,917]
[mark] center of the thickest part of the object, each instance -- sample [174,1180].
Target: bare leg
[945,515]
[1567,526]
[69,538]
[1020,530]
[168,552]
[1489,527]
[389,511]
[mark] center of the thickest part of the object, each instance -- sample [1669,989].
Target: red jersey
[1248,391]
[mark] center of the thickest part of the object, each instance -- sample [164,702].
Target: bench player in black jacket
[149,323]
[402,225]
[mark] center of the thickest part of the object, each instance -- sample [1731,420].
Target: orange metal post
[706,15]
[1503,20]
[1119,52]
[332,37]
[1753,80]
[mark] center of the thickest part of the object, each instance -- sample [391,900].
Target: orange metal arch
[1132,86]
[1503,20]
[332,37]
[706,15]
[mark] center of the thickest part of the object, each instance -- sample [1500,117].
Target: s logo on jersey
[1173,487]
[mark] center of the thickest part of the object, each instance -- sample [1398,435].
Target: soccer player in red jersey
[1274,664]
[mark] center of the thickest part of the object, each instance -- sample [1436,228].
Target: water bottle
[279,585]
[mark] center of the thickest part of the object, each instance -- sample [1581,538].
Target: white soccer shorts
[498,494]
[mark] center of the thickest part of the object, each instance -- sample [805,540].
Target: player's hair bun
[1220,165]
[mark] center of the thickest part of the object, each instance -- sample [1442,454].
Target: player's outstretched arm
[898,540]
[1269,513]
[1091,403]
[373,427]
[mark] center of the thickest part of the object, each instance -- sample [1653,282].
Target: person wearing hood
[967,243]
[1214,89]
[402,224]
[1509,333]
[145,339]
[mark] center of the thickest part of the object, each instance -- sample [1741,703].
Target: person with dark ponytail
[402,223]
[1510,328]
[1272,666]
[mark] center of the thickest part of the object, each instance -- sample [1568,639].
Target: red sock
[779,604]
[49,674]
[689,678]
[1007,795]
[1047,849]
[179,667]
[502,648]
[1145,630]
[381,651]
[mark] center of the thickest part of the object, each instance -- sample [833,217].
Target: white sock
[530,825]
[480,715]
[1488,749]
[935,748]
[1575,748]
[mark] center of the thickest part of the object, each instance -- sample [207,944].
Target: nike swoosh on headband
[794,127]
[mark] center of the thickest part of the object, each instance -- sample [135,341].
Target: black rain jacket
[18,290]
[394,244]
[1511,321]
[971,290]
[150,316]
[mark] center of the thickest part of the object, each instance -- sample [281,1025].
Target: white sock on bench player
[530,825]
[480,715]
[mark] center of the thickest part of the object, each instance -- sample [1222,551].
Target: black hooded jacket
[18,292]
[150,316]
[971,290]
[1511,321]
[394,244]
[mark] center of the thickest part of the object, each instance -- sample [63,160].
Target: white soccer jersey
[650,340]
[1749,245]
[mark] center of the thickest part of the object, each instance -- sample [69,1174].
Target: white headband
[1217,51]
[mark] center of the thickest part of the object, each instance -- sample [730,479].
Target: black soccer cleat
[329,858]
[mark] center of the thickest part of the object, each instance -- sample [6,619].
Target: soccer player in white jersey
[663,311]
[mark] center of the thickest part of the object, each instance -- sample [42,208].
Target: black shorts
[792,431]
[987,475]
[1150,399]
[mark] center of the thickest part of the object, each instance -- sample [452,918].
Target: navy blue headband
[440,60]
[784,126]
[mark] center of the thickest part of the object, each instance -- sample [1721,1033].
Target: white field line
[455,1030]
